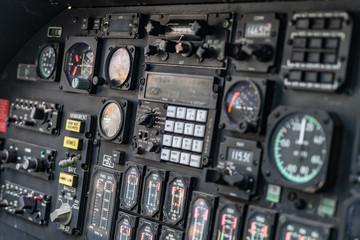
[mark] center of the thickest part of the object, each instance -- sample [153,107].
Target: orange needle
[233,100]
[74,71]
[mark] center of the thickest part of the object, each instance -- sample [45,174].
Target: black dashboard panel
[203,121]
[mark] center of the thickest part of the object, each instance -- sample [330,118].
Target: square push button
[329,58]
[199,131]
[167,140]
[318,23]
[298,57]
[165,154]
[311,77]
[334,23]
[331,43]
[295,76]
[197,146]
[201,115]
[315,43]
[179,127]
[169,126]
[191,114]
[195,161]
[186,144]
[181,112]
[326,77]
[303,23]
[313,57]
[171,111]
[299,42]
[189,129]
[177,141]
[175,156]
[185,158]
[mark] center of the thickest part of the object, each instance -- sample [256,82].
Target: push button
[331,43]
[302,23]
[191,114]
[167,140]
[181,112]
[189,129]
[169,126]
[201,115]
[199,131]
[326,77]
[165,154]
[175,156]
[195,160]
[185,158]
[179,127]
[334,23]
[299,42]
[171,111]
[315,43]
[298,57]
[186,145]
[311,77]
[197,146]
[295,76]
[329,58]
[318,23]
[313,57]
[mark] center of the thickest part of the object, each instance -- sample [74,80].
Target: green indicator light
[42,152]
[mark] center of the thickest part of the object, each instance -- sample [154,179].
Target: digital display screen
[258,30]
[152,194]
[174,207]
[240,156]
[131,187]
[180,89]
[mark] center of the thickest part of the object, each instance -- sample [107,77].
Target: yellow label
[72,143]
[68,179]
[73,125]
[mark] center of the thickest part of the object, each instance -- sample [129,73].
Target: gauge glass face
[175,204]
[227,223]
[102,205]
[131,189]
[145,233]
[47,61]
[79,64]
[199,221]
[299,147]
[111,120]
[243,103]
[153,187]
[124,229]
[297,231]
[119,67]
[258,228]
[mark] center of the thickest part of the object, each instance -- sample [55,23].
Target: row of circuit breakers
[226,129]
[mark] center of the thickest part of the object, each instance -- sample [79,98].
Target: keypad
[183,141]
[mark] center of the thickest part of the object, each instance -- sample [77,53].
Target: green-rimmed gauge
[47,61]
[299,147]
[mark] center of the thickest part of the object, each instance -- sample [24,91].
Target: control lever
[62,214]
[262,53]
[222,177]
[167,46]
[68,162]
[203,52]
[40,113]
[150,50]
[155,28]
[8,156]
[184,48]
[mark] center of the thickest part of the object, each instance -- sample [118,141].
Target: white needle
[302,131]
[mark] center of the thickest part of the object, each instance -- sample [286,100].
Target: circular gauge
[124,229]
[298,147]
[227,223]
[118,67]
[199,222]
[152,195]
[131,190]
[258,228]
[297,231]
[79,65]
[47,61]
[111,120]
[175,204]
[243,103]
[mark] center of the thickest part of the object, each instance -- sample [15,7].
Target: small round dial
[79,63]
[131,189]
[299,147]
[124,229]
[152,194]
[258,228]
[111,120]
[47,61]
[243,103]
[227,227]
[199,222]
[175,204]
[297,231]
[118,67]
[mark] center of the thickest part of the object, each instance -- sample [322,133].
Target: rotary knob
[34,164]
[62,214]
[146,119]
[8,156]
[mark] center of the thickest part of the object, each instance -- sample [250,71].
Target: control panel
[220,121]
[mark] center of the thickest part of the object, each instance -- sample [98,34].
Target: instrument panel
[219,121]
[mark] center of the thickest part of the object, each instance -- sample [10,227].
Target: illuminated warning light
[76,58]
[150,182]
[92,58]
[234,223]
[196,212]
[288,236]
[205,215]
[265,231]
[112,188]
[74,71]
[223,219]
[158,186]
[253,228]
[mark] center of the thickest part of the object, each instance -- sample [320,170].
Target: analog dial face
[131,188]
[299,147]
[258,228]
[199,222]
[124,229]
[152,194]
[111,120]
[174,208]
[79,63]
[297,231]
[243,103]
[119,67]
[47,61]
[227,223]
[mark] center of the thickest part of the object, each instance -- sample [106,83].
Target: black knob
[34,164]
[146,119]
[18,211]
[137,150]
[38,113]
[150,50]
[153,147]
[213,175]
[203,52]
[264,53]
[11,119]
[82,84]
[98,81]
[4,203]
[300,204]
[29,123]
[240,180]
[155,28]
[184,48]
[200,29]
[167,46]
[8,156]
